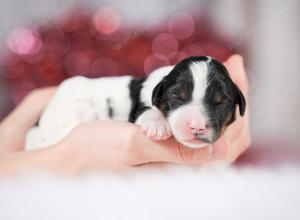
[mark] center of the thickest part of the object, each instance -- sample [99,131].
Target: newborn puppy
[194,101]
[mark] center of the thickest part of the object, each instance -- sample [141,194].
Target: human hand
[14,127]
[114,145]
[237,137]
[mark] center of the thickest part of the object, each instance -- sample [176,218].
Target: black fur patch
[137,107]
[37,122]
[110,110]
[221,98]
[176,88]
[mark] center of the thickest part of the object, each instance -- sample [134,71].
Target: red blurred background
[95,43]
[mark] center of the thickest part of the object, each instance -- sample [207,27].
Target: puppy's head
[199,100]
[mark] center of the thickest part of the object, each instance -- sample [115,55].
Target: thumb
[236,69]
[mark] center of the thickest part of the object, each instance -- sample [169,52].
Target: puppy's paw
[154,125]
[157,129]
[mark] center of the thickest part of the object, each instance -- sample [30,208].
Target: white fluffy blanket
[177,194]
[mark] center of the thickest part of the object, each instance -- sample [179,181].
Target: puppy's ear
[157,94]
[240,100]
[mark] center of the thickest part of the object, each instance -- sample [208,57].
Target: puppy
[194,101]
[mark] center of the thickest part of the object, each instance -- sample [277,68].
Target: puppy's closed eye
[183,94]
[219,98]
[180,93]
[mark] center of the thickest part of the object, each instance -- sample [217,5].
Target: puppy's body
[81,99]
[186,100]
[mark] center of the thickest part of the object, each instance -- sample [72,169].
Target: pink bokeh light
[106,20]
[24,41]
[84,42]
[165,46]
[181,25]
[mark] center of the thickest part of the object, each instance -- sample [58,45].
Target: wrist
[67,158]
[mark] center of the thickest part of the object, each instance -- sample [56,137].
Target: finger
[239,145]
[236,69]
[33,105]
[165,151]
[220,149]
[231,144]
[39,98]
[235,139]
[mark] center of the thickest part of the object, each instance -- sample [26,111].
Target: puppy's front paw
[154,125]
[157,129]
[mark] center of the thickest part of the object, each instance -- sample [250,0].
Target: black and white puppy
[194,101]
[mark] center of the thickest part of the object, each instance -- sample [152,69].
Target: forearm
[13,131]
[14,127]
[52,159]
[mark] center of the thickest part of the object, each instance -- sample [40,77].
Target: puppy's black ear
[157,94]
[240,100]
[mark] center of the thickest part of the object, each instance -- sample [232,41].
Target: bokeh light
[94,44]
[165,46]
[24,41]
[181,25]
[107,20]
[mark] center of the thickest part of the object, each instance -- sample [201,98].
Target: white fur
[185,193]
[154,124]
[153,79]
[199,72]
[179,113]
[79,100]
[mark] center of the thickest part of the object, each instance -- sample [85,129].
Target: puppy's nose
[198,127]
